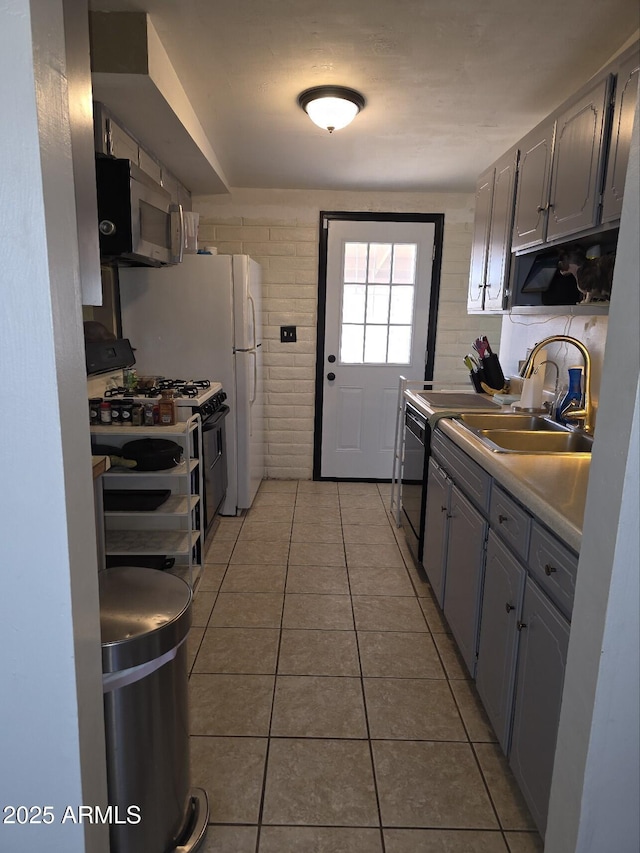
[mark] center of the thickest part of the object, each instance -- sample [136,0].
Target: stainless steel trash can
[145,616]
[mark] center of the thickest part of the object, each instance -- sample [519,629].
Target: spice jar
[167,408]
[137,414]
[126,410]
[94,410]
[115,412]
[105,412]
[148,414]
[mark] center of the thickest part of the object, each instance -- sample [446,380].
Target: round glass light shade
[331,107]
[332,113]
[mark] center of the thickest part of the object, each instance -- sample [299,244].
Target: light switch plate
[288,334]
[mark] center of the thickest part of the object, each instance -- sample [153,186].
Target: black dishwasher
[417,441]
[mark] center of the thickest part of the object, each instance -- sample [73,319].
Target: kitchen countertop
[553,488]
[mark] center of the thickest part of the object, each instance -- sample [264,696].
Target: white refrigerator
[201,319]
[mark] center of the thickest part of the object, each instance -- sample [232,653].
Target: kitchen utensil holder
[493,375]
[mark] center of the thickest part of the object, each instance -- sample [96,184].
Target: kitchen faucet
[583,416]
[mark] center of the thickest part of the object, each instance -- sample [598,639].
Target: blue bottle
[573,397]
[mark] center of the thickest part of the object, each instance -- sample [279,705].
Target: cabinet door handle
[502,519]
[543,208]
[509,607]
[521,625]
[443,509]
[549,569]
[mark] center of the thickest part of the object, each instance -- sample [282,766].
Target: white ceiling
[450,84]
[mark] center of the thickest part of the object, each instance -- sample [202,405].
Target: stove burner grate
[182,387]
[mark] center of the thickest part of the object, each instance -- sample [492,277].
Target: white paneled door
[376,323]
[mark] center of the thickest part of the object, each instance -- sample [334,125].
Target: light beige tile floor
[330,710]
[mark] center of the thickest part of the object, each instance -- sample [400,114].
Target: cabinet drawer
[510,521]
[554,566]
[472,479]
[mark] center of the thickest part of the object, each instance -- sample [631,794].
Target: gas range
[195,396]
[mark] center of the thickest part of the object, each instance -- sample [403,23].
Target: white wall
[279,228]
[51,725]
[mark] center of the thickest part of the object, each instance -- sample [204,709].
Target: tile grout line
[275,683]
[364,699]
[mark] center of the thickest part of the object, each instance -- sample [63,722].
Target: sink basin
[535,441]
[511,422]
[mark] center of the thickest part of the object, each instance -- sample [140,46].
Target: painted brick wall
[279,229]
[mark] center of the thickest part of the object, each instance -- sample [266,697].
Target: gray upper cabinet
[491,250]
[479,249]
[499,251]
[150,165]
[121,143]
[621,130]
[532,197]
[578,156]
[111,138]
[560,173]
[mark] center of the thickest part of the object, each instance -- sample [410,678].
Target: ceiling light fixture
[331,107]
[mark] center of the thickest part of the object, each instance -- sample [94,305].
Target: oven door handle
[215,420]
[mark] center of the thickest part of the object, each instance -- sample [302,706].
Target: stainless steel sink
[511,422]
[524,433]
[536,441]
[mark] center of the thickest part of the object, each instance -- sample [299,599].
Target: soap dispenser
[532,388]
[573,398]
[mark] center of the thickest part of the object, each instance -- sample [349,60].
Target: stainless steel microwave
[138,223]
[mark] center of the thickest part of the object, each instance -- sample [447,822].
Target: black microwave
[138,223]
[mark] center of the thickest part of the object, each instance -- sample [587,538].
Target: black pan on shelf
[153,454]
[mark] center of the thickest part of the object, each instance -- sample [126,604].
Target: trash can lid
[144,613]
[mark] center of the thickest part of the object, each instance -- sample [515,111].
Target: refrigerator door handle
[255,377]
[253,344]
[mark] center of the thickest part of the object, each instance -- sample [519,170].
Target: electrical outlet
[288,334]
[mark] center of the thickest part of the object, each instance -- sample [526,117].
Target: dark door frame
[325,217]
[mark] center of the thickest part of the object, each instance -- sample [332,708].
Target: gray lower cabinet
[504,582]
[466,535]
[542,655]
[435,543]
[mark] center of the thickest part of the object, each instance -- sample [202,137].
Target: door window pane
[355,262]
[401,304]
[375,345]
[399,345]
[351,344]
[380,263]
[378,303]
[378,294]
[353,303]
[404,263]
